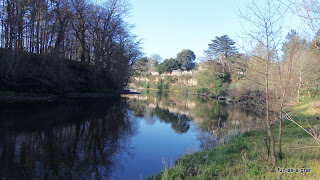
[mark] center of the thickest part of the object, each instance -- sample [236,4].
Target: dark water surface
[113,138]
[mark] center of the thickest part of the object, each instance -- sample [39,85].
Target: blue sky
[168,26]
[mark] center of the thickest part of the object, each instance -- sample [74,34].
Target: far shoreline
[47,98]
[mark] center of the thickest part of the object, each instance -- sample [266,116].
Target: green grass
[238,159]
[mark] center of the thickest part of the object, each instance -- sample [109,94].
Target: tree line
[76,30]
[184,61]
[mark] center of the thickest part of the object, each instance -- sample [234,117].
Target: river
[112,138]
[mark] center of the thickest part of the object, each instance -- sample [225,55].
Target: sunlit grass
[306,108]
[238,159]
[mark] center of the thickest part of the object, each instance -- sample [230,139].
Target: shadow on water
[66,140]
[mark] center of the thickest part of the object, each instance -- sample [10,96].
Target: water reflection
[215,120]
[179,122]
[38,142]
[119,138]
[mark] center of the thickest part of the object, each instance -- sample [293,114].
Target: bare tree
[292,50]
[63,15]
[81,25]
[74,30]
[267,23]
[309,13]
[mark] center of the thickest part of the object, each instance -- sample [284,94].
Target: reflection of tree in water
[213,116]
[59,149]
[180,123]
[222,121]
[137,106]
[214,120]
[139,109]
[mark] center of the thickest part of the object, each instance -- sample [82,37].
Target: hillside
[22,71]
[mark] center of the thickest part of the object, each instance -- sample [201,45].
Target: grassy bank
[239,157]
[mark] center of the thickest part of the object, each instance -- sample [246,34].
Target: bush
[236,77]
[239,89]
[146,85]
[315,92]
[202,90]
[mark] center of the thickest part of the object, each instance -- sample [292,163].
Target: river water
[112,138]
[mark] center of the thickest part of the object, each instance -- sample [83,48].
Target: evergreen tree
[222,45]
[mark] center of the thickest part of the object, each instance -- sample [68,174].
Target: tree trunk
[281,123]
[272,143]
[299,86]
[83,44]
[309,92]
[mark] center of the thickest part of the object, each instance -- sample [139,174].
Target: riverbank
[207,95]
[9,97]
[242,157]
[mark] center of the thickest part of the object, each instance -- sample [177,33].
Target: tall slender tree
[266,23]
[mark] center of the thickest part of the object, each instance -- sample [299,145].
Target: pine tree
[222,45]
